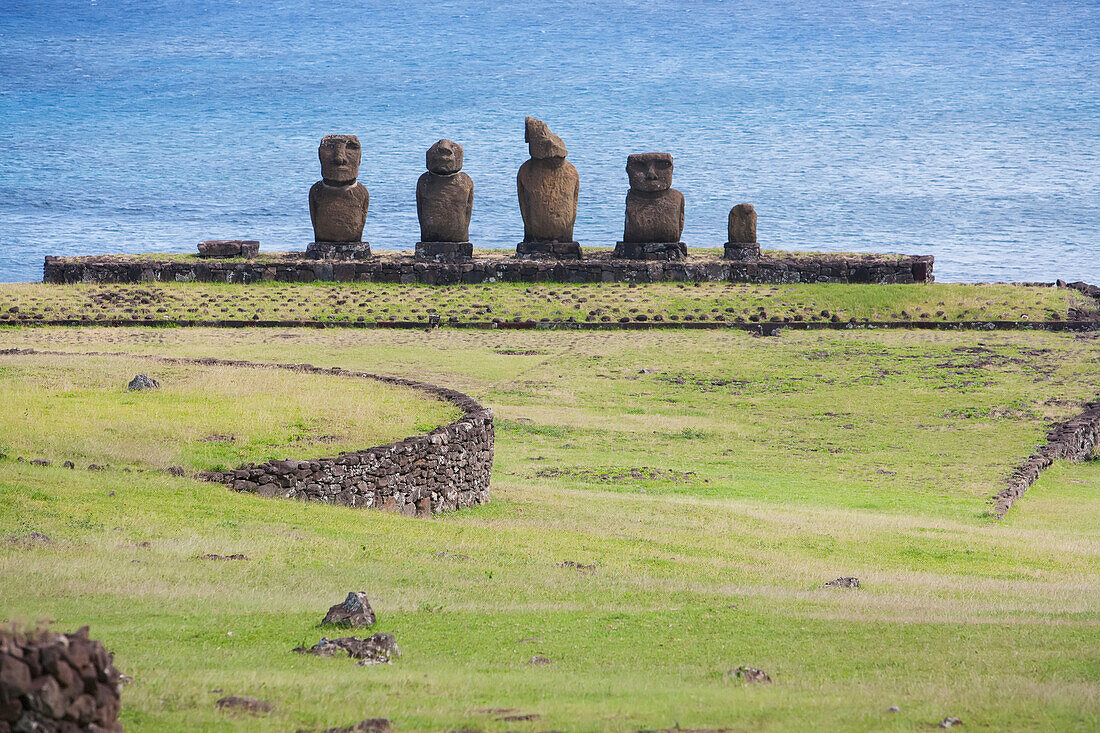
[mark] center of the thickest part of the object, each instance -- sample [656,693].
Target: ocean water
[967,130]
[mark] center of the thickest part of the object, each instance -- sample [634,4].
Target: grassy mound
[715,480]
[77,408]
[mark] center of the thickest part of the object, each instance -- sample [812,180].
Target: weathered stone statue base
[225,248]
[741,251]
[338,251]
[651,251]
[444,251]
[548,250]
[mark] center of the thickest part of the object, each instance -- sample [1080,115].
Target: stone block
[226,248]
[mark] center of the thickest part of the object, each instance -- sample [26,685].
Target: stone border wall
[398,268]
[1073,440]
[57,682]
[446,469]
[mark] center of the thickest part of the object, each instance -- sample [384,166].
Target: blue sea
[967,130]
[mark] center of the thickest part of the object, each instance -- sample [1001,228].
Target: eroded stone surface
[226,248]
[742,224]
[354,610]
[444,196]
[548,187]
[843,583]
[377,649]
[750,674]
[142,382]
[57,682]
[338,203]
[654,210]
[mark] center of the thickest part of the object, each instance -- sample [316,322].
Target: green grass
[598,303]
[715,479]
[77,408]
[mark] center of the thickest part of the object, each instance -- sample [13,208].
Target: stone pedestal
[338,251]
[444,251]
[226,248]
[741,251]
[650,251]
[548,250]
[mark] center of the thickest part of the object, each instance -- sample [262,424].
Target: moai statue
[654,211]
[338,203]
[742,243]
[548,187]
[444,202]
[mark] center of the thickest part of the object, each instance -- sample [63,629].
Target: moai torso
[444,196]
[548,193]
[338,202]
[339,213]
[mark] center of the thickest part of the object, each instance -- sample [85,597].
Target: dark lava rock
[354,611]
[40,462]
[750,674]
[244,704]
[843,583]
[176,470]
[212,556]
[69,464]
[142,382]
[577,566]
[96,467]
[32,538]
[539,660]
[370,725]
[950,722]
[223,248]
[376,649]
[893,709]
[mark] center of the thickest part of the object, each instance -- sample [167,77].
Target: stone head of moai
[340,156]
[445,158]
[649,172]
[542,143]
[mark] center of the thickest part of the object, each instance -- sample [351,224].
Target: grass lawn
[203,418]
[715,479]
[615,302]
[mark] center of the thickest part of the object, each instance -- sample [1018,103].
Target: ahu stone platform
[494,266]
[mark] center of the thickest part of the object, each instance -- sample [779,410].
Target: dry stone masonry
[57,682]
[447,469]
[1074,440]
[598,267]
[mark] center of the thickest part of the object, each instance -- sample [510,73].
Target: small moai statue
[742,243]
[338,202]
[548,187]
[654,211]
[444,202]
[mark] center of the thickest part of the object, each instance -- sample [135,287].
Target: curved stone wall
[448,468]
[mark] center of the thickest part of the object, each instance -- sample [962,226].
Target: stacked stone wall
[57,682]
[1073,440]
[402,269]
[447,469]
